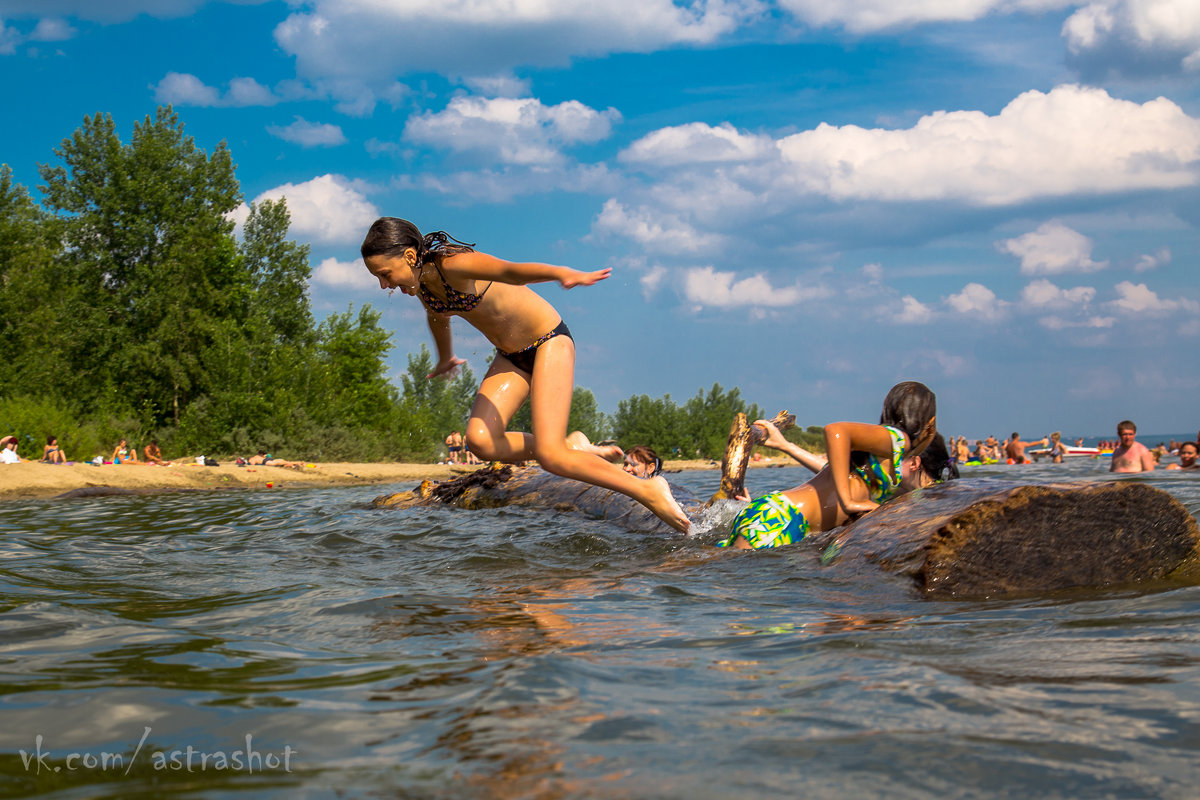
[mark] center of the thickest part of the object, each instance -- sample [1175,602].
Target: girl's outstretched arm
[776,440]
[443,342]
[840,439]
[481,266]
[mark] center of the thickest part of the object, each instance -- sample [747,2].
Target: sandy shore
[31,479]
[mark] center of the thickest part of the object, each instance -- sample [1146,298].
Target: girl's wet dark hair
[909,406]
[391,236]
[936,461]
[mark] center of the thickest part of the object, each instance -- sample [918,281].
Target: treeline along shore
[131,308]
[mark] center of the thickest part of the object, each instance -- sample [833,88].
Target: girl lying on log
[867,465]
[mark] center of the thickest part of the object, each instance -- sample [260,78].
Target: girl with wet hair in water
[866,465]
[535,354]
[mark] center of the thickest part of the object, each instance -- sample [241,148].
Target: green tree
[148,237]
[708,417]
[585,416]
[352,350]
[432,407]
[34,306]
[656,422]
[279,271]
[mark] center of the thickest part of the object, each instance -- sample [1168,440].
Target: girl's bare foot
[664,505]
[609,452]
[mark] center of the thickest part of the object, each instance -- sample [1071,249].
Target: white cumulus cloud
[1071,140]
[1052,249]
[978,302]
[705,286]
[1057,323]
[309,134]
[1163,31]
[1044,294]
[10,38]
[328,209]
[863,16]
[912,312]
[185,89]
[1150,261]
[344,275]
[52,29]
[514,130]
[468,37]
[1134,299]
[698,143]
[652,230]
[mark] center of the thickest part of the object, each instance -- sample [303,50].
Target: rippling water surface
[301,644]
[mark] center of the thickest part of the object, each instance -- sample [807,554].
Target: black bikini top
[455,300]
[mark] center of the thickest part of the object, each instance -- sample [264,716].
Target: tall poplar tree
[148,236]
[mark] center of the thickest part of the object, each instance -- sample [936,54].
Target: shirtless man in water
[1014,448]
[1130,455]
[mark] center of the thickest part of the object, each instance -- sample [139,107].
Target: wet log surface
[986,538]
[532,487]
[963,538]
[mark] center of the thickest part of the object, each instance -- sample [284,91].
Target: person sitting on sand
[154,455]
[866,465]
[52,453]
[124,454]
[1187,456]
[8,451]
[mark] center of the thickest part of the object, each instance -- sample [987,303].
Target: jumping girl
[867,465]
[535,354]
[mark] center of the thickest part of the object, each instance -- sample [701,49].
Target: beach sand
[33,479]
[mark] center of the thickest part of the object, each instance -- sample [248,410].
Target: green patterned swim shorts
[769,521]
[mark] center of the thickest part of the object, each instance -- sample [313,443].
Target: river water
[302,644]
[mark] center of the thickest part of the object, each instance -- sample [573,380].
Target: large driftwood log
[499,485]
[506,485]
[964,538]
[980,538]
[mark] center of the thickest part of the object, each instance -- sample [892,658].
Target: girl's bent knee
[552,459]
[483,446]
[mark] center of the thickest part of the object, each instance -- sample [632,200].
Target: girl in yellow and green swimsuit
[867,465]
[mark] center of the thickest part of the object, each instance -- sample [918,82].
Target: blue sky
[805,199]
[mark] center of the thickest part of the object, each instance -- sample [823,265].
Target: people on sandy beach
[535,354]
[124,454]
[1130,455]
[264,459]
[51,452]
[8,451]
[454,445]
[153,455]
[865,465]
